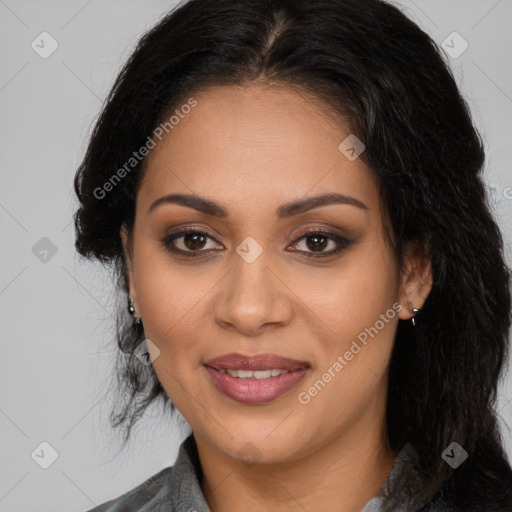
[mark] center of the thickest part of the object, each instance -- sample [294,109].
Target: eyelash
[343,242]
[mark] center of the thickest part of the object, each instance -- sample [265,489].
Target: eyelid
[315,229]
[184,228]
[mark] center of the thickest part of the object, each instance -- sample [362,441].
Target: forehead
[257,145]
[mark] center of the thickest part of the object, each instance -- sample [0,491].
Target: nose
[253,297]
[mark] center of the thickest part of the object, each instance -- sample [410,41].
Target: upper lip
[255,362]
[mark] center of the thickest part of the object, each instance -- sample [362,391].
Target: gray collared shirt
[178,489]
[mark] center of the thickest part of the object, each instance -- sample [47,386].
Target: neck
[342,474]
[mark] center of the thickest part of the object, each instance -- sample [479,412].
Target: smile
[255,379]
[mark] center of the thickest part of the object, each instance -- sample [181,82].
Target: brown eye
[316,242]
[191,242]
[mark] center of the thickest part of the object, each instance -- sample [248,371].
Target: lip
[252,390]
[255,362]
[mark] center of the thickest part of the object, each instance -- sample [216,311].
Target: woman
[290,193]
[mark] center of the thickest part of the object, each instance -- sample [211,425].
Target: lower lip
[255,391]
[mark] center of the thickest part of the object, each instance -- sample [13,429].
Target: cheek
[174,314]
[352,297]
[168,297]
[173,311]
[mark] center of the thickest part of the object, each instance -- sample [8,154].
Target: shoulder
[406,490]
[147,494]
[444,501]
[438,504]
[173,489]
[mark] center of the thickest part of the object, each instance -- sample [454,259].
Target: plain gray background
[56,310]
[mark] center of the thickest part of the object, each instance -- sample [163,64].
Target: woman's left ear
[416,279]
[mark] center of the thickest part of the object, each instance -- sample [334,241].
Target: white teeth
[259,374]
[262,374]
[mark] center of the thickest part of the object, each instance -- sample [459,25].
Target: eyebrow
[284,211]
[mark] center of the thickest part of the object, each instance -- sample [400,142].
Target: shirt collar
[185,493]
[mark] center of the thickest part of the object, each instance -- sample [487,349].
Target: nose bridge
[250,275]
[252,295]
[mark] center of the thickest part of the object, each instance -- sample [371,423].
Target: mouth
[255,379]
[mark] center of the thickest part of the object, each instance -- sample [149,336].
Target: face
[241,280]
